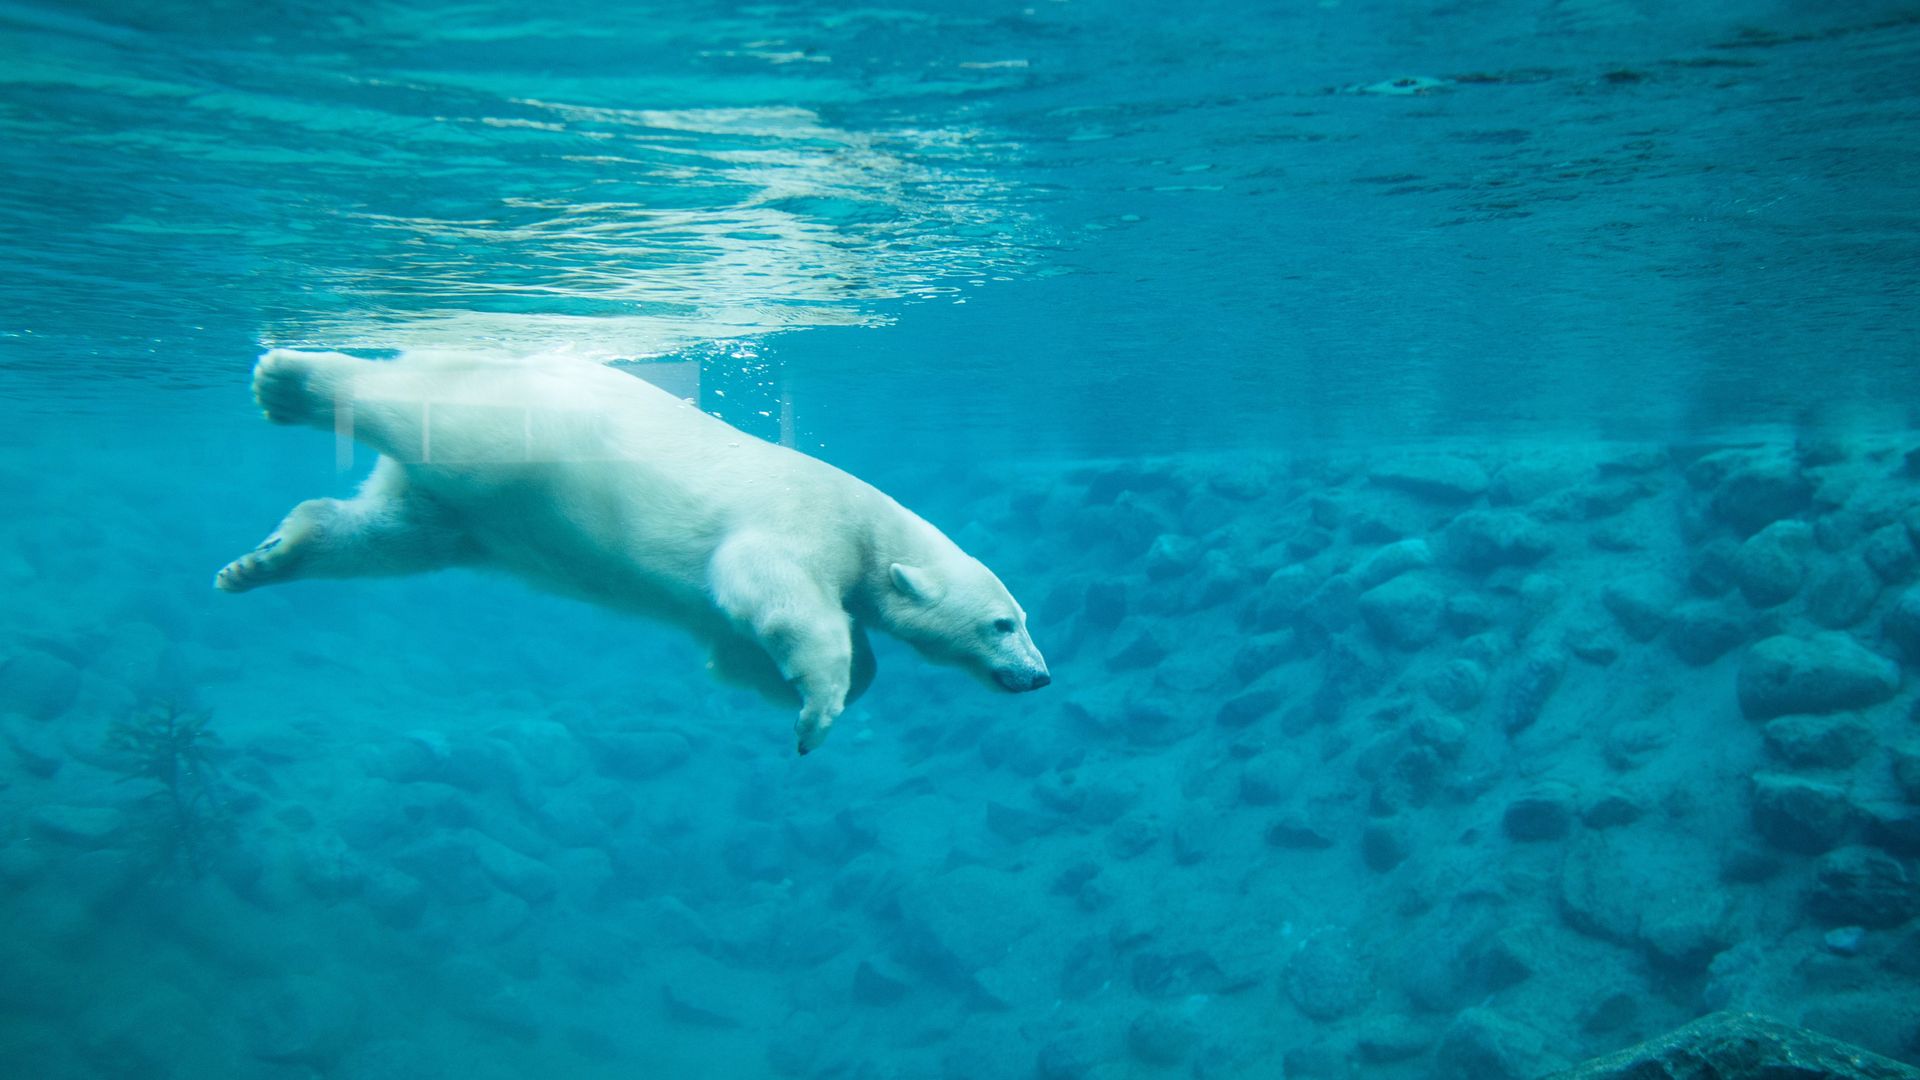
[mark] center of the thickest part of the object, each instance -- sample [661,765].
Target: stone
[1470,613]
[1825,672]
[1906,769]
[1326,979]
[1592,639]
[1800,815]
[1279,600]
[1481,1044]
[1772,565]
[1712,573]
[1261,653]
[1385,845]
[1641,603]
[1015,824]
[1858,886]
[1105,604]
[300,1020]
[1238,712]
[875,984]
[1611,809]
[1844,940]
[1391,561]
[1739,1046]
[638,755]
[1133,837]
[1819,742]
[1889,550]
[1391,1038]
[1843,595]
[1702,633]
[1404,612]
[1544,813]
[1632,743]
[1445,735]
[1064,1059]
[1536,677]
[1484,540]
[523,876]
[1171,557]
[1757,495]
[1268,778]
[37,753]
[1893,825]
[1297,830]
[1333,606]
[1457,686]
[1144,649]
[1523,480]
[87,828]
[1610,1013]
[1902,624]
[37,685]
[958,924]
[1439,478]
[1686,937]
[1162,1037]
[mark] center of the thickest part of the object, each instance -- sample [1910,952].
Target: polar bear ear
[916,583]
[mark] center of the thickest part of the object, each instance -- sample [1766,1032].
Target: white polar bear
[590,482]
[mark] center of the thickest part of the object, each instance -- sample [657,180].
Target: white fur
[587,481]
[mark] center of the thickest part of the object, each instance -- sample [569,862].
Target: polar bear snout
[1021,680]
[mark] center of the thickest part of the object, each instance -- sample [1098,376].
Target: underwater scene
[1044,539]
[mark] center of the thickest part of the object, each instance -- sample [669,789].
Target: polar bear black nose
[1039,681]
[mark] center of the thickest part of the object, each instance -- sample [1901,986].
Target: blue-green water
[1460,462]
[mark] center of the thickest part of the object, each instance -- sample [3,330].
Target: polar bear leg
[383,405]
[760,586]
[302,388]
[385,529]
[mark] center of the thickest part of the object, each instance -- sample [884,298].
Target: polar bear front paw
[811,730]
[297,387]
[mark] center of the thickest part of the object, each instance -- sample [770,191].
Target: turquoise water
[1459,461]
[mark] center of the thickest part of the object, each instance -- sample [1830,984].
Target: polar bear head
[954,610]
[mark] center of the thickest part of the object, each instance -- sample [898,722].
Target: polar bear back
[601,484]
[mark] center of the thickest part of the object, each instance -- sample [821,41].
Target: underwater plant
[174,748]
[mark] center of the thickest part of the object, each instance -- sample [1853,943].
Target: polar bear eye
[1003,626]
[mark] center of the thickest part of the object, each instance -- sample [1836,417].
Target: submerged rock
[1843,595]
[1857,886]
[1391,561]
[1544,813]
[1902,624]
[1481,1044]
[1800,815]
[85,827]
[1441,478]
[1489,539]
[1739,1046]
[1162,1037]
[1825,672]
[1819,742]
[1772,565]
[1641,603]
[37,684]
[1760,494]
[1404,611]
[1326,979]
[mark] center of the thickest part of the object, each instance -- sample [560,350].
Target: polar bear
[587,481]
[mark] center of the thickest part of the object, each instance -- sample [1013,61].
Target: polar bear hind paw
[269,562]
